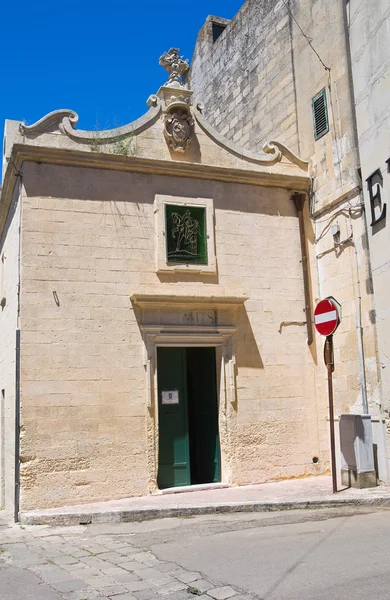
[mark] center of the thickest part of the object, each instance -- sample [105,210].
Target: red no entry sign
[327,316]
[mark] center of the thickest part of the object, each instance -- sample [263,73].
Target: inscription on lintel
[199,317]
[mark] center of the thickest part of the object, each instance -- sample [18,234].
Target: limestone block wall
[369,35]
[9,280]
[257,81]
[89,244]
[334,156]
[246,78]
[268,42]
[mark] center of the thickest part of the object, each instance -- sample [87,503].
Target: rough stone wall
[334,157]
[264,41]
[245,78]
[9,280]
[88,245]
[258,79]
[369,34]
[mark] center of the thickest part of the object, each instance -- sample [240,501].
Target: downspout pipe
[359,329]
[299,201]
[17,429]
[362,368]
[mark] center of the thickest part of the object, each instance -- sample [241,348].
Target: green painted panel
[174,460]
[185,230]
[203,415]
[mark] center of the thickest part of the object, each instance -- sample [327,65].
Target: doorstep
[193,488]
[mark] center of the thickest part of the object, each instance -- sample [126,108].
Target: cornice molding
[99,160]
[161,300]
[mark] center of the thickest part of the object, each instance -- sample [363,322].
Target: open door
[174,458]
[189,450]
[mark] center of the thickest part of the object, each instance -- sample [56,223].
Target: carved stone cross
[176,66]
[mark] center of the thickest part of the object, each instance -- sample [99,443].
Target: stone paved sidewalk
[297,493]
[79,566]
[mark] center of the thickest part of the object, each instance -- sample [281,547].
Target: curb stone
[69,517]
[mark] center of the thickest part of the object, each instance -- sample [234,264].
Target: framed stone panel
[185,234]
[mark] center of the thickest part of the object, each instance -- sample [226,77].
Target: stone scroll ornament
[178,121]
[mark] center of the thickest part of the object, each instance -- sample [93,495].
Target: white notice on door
[171,397]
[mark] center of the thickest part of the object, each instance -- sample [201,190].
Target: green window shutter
[320,114]
[185,231]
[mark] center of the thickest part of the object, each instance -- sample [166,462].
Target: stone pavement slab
[310,492]
[222,593]
[16,583]
[73,563]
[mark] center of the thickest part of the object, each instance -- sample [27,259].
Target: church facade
[158,280]
[156,289]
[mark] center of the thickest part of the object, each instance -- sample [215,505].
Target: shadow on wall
[79,183]
[188,277]
[246,349]
[9,219]
[310,244]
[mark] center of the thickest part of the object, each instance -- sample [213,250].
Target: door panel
[174,459]
[203,415]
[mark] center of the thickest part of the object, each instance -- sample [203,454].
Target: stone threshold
[200,487]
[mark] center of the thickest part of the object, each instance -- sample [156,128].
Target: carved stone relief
[176,66]
[179,129]
[178,121]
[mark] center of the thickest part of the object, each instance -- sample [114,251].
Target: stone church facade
[153,313]
[158,280]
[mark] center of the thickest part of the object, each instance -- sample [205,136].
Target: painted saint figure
[186,229]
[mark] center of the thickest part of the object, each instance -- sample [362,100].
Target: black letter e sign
[375,199]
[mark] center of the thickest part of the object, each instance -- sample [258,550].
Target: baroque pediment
[172,137]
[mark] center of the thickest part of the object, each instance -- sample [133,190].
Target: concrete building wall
[9,281]
[369,35]
[270,42]
[89,244]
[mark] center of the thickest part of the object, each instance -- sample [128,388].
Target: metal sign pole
[329,361]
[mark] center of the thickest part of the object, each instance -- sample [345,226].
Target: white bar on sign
[325,317]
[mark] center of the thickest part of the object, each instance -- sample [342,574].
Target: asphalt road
[337,554]
[339,558]
[302,555]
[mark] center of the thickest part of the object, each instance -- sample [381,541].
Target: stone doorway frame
[152,308]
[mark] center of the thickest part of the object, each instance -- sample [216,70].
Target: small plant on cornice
[125,147]
[95,144]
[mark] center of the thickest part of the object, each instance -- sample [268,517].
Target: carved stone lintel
[179,129]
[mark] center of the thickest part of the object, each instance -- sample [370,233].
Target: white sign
[171,397]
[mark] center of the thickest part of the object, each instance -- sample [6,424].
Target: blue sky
[97,58]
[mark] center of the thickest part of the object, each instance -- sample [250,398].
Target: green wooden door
[174,456]
[203,415]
